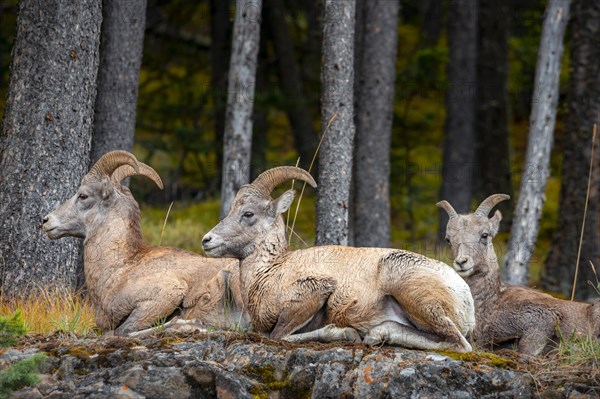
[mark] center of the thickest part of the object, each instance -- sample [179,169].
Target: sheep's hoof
[372,340]
[351,335]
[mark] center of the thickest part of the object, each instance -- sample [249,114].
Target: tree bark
[459,135]
[337,123]
[375,83]
[493,171]
[583,101]
[220,33]
[261,120]
[523,234]
[237,145]
[45,138]
[291,85]
[121,50]
[431,27]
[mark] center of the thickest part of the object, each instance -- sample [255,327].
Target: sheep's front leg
[144,315]
[172,326]
[533,341]
[393,333]
[329,333]
[307,298]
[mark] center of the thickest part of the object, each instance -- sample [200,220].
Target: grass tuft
[48,312]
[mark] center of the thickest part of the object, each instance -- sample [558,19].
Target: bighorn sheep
[331,292]
[130,283]
[507,313]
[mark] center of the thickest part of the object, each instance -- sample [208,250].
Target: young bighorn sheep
[130,283]
[332,292]
[506,313]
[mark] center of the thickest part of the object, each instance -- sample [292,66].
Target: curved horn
[490,202]
[110,161]
[125,171]
[269,179]
[445,205]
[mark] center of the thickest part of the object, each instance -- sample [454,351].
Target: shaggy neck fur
[110,243]
[257,266]
[485,286]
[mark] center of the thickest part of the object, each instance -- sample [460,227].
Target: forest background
[181,112]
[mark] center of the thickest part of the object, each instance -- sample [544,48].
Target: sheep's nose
[461,261]
[45,219]
[206,239]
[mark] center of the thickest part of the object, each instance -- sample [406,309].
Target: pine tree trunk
[432,15]
[459,137]
[260,118]
[237,143]
[121,49]
[290,82]
[375,83]
[528,211]
[45,138]
[583,111]
[493,166]
[337,124]
[220,33]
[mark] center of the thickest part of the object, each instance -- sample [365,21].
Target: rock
[27,393]
[228,365]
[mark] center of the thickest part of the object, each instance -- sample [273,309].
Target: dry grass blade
[312,162]
[287,220]
[162,231]
[587,197]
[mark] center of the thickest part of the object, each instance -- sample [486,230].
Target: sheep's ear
[107,188]
[495,222]
[284,202]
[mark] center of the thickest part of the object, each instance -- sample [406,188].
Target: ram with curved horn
[130,283]
[506,314]
[336,293]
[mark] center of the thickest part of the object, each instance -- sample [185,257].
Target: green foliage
[74,322]
[577,349]
[20,375]
[185,227]
[11,328]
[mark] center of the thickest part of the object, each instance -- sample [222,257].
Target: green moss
[258,392]
[267,376]
[80,352]
[485,358]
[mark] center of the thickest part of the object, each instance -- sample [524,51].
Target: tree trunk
[583,111]
[459,136]
[1,51]
[337,124]
[523,233]
[220,33]
[45,138]
[260,118]
[493,171]
[237,143]
[290,81]
[375,81]
[431,28]
[121,50]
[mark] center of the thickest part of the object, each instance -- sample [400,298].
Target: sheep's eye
[83,197]
[248,215]
[484,237]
